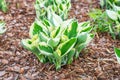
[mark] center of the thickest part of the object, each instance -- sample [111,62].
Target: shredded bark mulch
[96,62]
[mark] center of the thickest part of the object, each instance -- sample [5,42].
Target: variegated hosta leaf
[112,14]
[47,23]
[43,37]
[57,60]
[55,33]
[82,37]
[117,53]
[84,27]
[64,38]
[70,56]
[28,44]
[45,49]
[40,11]
[83,41]
[54,19]
[67,46]
[53,42]
[66,23]
[116,8]
[36,28]
[117,29]
[61,7]
[41,57]
[2,27]
[72,30]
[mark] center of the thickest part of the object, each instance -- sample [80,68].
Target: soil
[96,62]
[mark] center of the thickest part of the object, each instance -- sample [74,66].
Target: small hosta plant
[3,5]
[109,3]
[2,27]
[56,41]
[60,7]
[117,53]
[115,16]
[100,20]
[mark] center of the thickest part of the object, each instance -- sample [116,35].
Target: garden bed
[96,62]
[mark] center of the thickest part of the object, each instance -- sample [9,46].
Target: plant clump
[55,39]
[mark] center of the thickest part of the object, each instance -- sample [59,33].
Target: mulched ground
[17,63]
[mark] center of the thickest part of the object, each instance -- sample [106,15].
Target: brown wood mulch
[17,63]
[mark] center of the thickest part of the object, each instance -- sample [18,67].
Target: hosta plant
[56,41]
[109,3]
[117,53]
[3,5]
[60,7]
[115,16]
[100,20]
[2,27]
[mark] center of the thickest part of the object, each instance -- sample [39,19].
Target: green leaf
[41,57]
[67,46]
[54,18]
[57,60]
[112,14]
[117,53]
[43,37]
[95,13]
[66,23]
[53,42]
[112,32]
[64,38]
[72,30]
[35,29]
[116,8]
[84,27]
[46,22]
[3,5]
[83,42]
[79,49]
[69,5]
[55,33]
[82,37]
[61,7]
[89,38]
[84,24]
[44,28]
[28,44]
[70,56]
[45,49]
